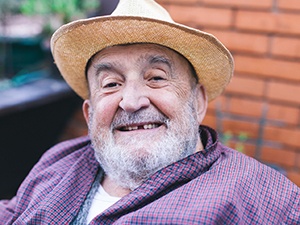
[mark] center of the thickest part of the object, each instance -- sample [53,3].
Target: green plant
[50,13]
[239,139]
[58,11]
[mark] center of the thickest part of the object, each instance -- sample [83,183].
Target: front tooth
[132,128]
[148,126]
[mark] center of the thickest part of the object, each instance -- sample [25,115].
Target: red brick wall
[264,95]
[263,98]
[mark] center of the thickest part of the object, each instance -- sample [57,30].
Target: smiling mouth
[140,127]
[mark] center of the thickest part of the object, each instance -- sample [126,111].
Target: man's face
[144,110]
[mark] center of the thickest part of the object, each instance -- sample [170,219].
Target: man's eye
[157,78]
[111,85]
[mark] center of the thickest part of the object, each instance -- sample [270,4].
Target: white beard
[129,167]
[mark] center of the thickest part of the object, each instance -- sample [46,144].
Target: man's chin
[138,143]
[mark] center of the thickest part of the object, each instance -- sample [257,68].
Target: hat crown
[142,8]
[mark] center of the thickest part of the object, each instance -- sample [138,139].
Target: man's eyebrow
[103,66]
[160,59]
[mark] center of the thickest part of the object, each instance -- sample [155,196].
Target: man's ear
[201,103]
[85,110]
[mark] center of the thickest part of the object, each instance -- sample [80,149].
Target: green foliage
[226,137]
[67,9]
[58,12]
[240,139]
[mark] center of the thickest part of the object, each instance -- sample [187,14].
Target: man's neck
[112,188]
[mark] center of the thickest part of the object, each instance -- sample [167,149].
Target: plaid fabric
[215,186]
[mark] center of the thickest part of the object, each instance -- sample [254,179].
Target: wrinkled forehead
[160,51]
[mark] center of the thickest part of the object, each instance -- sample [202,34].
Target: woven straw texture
[75,43]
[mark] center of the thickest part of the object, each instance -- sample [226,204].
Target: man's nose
[134,98]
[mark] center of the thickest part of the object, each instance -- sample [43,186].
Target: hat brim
[75,43]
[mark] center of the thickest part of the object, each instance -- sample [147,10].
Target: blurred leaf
[227,136]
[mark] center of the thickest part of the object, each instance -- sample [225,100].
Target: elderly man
[146,81]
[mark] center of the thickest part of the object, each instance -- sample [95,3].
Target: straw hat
[139,21]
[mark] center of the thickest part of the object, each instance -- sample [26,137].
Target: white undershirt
[101,201]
